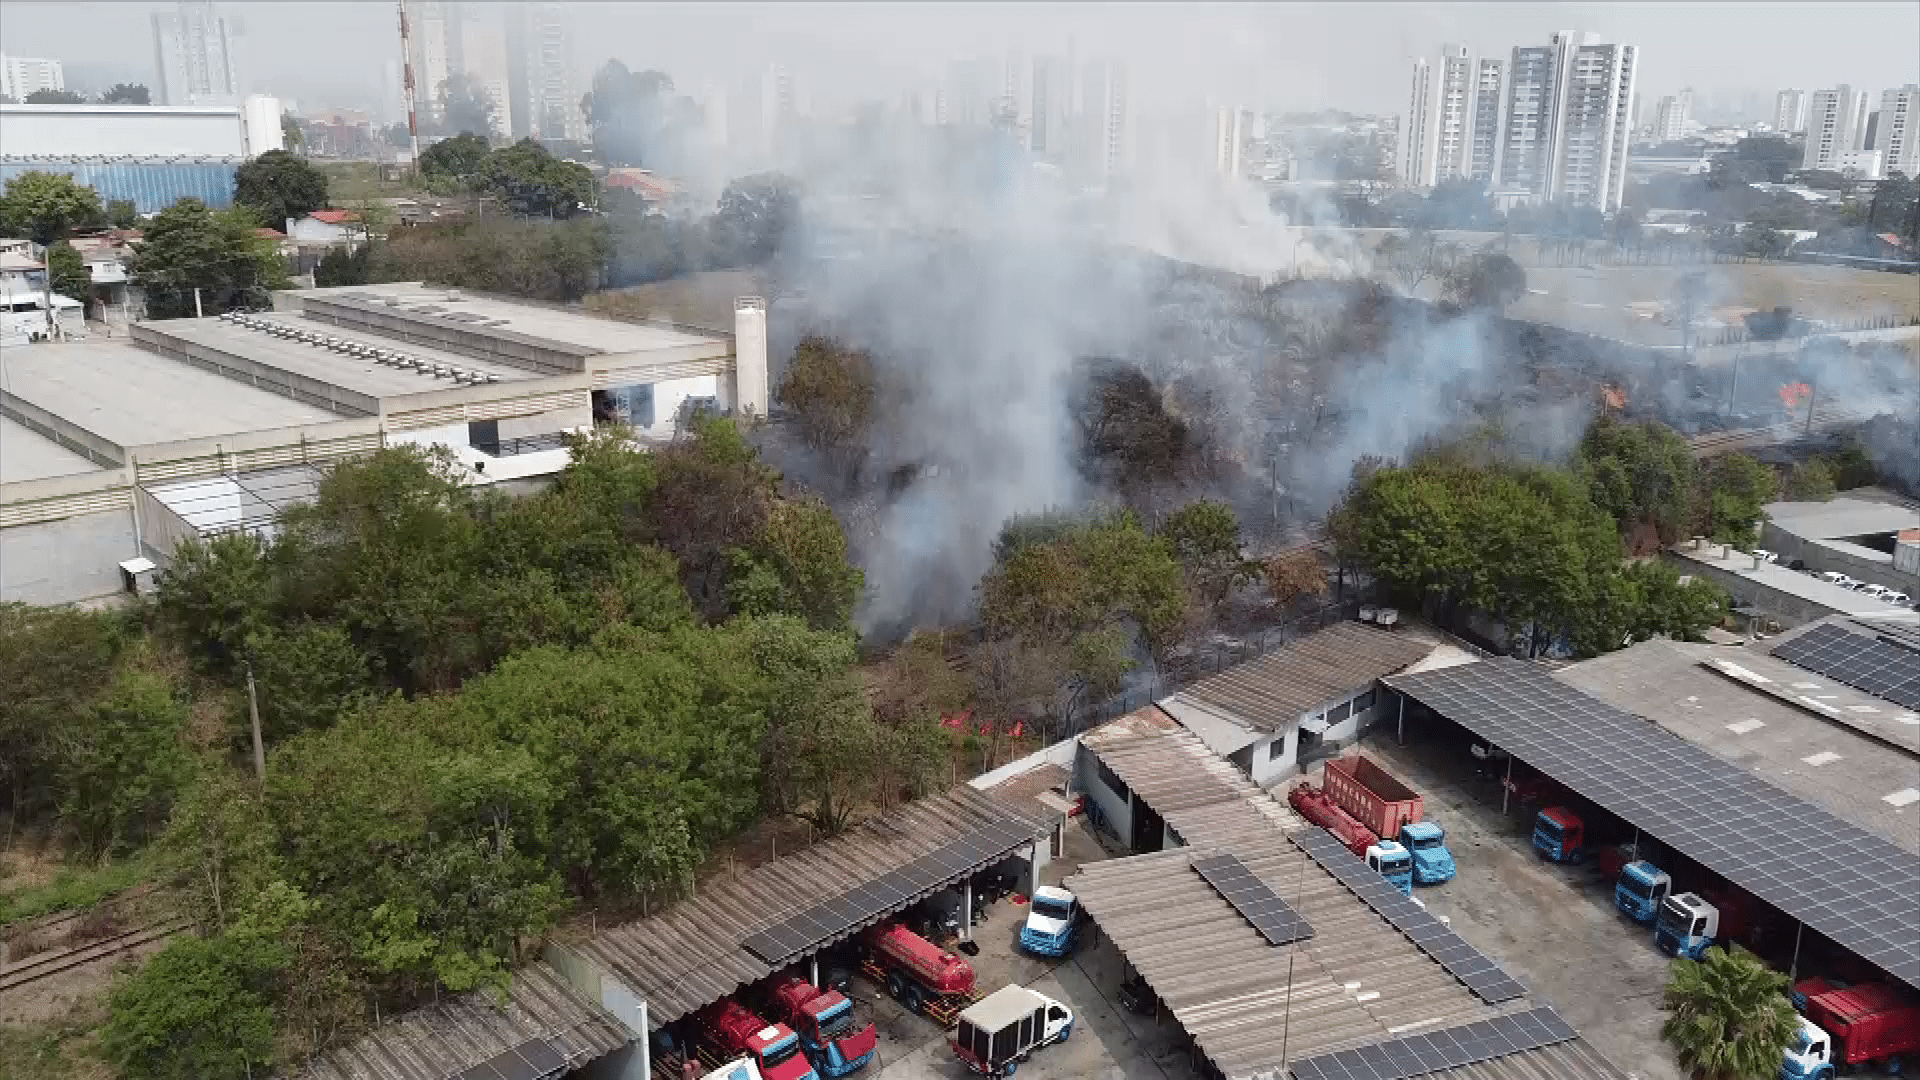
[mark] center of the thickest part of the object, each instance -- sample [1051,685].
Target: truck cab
[729,1029]
[1686,925]
[1559,834]
[1050,922]
[1393,862]
[1809,1056]
[995,1034]
[1641,889]
[743,1069]
[1427,841]
[823,1018]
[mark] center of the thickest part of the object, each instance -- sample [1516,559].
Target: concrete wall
[1822,558]
[1086,778]
[1783,607]
[65,561]
[66,131]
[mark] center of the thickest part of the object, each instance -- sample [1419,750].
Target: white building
[79,132]
[1233,129]
[23,75]
[1051,92]
[1898,139]
[546,98]
[1416,147]
[1483,141]
[1107,112]
[1566,130]
[1861,165]
[1453,105]
[1790,111]
[193,50]
[1673,117]
[1836,126]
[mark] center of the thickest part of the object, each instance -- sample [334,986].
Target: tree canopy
[279,186]
[187,247]
[455,161]
[634,116]
[1729,1018]
[830,391]
[534,183]
[126,94]
[754,216]
[466,107]
[45,206]
[1641,475]
[69,273]
[1490,281]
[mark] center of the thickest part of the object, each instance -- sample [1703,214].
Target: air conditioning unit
[136,576]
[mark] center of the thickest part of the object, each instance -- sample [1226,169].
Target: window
[1277,749]
[1339,712]
[1364,701]
[1111,779]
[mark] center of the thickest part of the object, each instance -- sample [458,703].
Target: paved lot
[1554,928]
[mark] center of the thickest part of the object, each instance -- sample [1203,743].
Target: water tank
[750,390]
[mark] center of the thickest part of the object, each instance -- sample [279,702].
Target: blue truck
[1050,922]
[1432,862]
[1394,863]
[1641,889]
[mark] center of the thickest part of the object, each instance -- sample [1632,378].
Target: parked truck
[1642,888]
[1051,922]
[727,1030]
[1393,811]
[1319,808]
[1560,834]
[823,1018]
[918,974]
[739,1069]
[994,1035]
[1844,1026]
[1689,922]
[1392,861]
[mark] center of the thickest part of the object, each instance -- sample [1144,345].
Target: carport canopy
[1834,877]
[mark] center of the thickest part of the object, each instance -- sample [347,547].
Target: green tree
[122,763]
[1489,281]
[126,94]
[466,106]
[69,272]
[219,596]
[1206,539]
[57,661]
[534,183]
[1641,474]
[187,247]
[635,117]
[307,676]
[1089,577]
[1811,480]
[279,186]
[1735,490]
[122,214]
[754,217]
[1729,1015]
[798,566]
[201,1009]
[55,97]
[711,496]
[830,389]
[225,845]
[45,206]
[345,266]
[291,133]
[454,163]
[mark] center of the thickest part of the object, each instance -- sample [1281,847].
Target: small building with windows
[1276,714]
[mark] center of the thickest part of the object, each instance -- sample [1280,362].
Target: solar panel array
[1464,962]
[1849,885]
[1880,664]
[1255,902]
[828,920]
[1447,1048]
[535,1059]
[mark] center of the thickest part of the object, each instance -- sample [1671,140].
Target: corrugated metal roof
[1268,693]
[692,955]
[1355,981]
[441,1041]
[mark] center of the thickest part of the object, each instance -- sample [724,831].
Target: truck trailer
[1318,807]
[1850,1025]
[823,1018]
[994,1035]
[1392,811]
[917,973]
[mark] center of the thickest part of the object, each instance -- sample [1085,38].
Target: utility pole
[197,313]
[408,90]
[253,714]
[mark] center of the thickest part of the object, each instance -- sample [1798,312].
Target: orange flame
[1613,396]
[1793,395]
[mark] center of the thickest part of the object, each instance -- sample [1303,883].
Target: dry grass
[703,299]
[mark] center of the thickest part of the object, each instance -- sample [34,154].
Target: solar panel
[1484,978]
[535,1059]
[1446,1048]
[1255,902]
[1881,664]
[1852,887]
[829,919]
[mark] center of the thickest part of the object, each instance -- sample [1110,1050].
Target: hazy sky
[1292,55]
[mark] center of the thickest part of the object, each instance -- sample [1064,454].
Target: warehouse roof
[331,366]
[696,952]
[25,454]
[570,330]
[1841,517]
[1270,692]
[1688,690]
[543,1024]
[1833,598]
[1355,981]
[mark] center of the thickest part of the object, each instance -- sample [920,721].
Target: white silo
[750,391]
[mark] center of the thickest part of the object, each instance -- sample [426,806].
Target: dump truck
[1050,922]
[1392,861]
[1318,807]
[1844,1026]
[1379,801]
[917,973]
[727,1030]
[994,1035]
[823,1018]
[1560,834]
[1641,889]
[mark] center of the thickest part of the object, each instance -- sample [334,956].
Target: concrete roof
[25,454]
[1837,600]
[571,329]
[1355,981]
[1841,517]
[693,954]
[326,365]
[463,1032]
[1270,692]
[1683,688]
[130,396]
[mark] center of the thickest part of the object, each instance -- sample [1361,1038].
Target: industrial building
[1856,534]
[152,155]
[1768,592]
[116,449]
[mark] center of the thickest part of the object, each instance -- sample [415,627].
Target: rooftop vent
[391,301]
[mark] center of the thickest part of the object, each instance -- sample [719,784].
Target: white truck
[743,1069]
[998,1032]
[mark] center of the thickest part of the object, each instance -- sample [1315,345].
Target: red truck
[1850,1025]
[918,973]
[823,1018]
[1393,811]
[727,1030]
[1318,807]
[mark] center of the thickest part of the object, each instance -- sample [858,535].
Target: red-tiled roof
[334,217]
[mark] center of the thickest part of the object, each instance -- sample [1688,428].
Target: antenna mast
[407,87]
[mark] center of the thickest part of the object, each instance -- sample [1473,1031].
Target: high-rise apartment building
[1106,114]
[193,51]
[1673,117]
[1453,108]
[1898,139]
[546,99]
[1836,126]
[1234,129]
[1566,127]
[1526,138]
[23,75]
[1790,111]
[1483,142]
[1047,124]
[1416,147]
